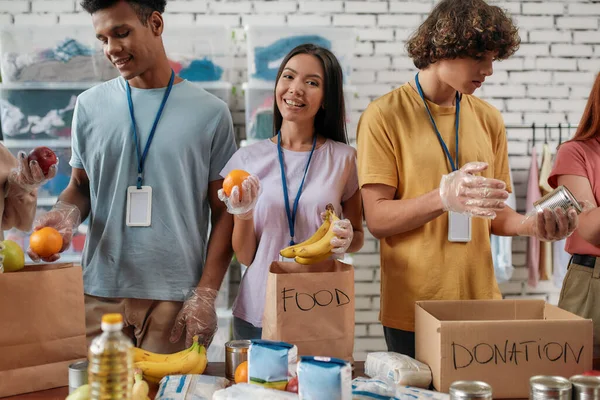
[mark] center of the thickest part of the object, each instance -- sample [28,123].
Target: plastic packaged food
[324,378]
[401,369]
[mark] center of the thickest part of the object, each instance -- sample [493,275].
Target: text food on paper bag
[511,352]
[308,301]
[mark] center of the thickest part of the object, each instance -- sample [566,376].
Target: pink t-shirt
[581,158]
[331,178]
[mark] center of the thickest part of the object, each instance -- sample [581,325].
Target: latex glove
[65,218]
[465,193]
[28,176]
[242,207]
[198,316]
[344,233]
[549,225]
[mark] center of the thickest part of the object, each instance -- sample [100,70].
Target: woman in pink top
[305,166]
[577,167]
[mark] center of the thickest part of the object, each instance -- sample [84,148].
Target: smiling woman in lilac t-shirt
[319,168]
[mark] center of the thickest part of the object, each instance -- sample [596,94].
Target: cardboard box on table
[501,342]
[311,306]
[42,327]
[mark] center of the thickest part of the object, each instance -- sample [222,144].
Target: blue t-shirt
[193,142]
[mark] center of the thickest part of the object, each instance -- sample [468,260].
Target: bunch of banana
[155,366]
[318,246]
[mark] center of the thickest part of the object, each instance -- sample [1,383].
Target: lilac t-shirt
[331,178]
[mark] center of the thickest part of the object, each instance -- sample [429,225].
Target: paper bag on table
[311,306]
[42,327]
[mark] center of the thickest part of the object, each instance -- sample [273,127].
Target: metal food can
[585,387]
[461,390]
[561,197]
[236,352]
[78,374]
[544,387]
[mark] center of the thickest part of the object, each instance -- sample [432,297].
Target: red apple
[44,156]
[292,385]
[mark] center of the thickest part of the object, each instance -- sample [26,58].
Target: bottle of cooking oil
[110,370]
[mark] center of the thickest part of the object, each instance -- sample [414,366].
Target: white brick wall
[546,82]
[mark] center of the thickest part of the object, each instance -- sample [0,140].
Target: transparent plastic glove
[465,193]
[344,233]
[242,207]
[63,217]
[198,317]
[28,176]
[549,225]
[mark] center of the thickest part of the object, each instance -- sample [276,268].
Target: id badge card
[459,227]
[139,206]
[285,259]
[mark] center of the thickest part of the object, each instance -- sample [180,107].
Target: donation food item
[401,369]
[46,242]
[44,156]
[154,367]
[140,387]
[110,369]
[269,363]
[236,352]
[81,393]
[546,387]
[318,247]
[585,387]
[241,373]
[247,391]
[13,258]
[466,390]
[234,178]
[189,387]
[324,378]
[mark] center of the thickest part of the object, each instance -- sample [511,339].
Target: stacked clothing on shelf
[37,113]
[68,61]
[268,58]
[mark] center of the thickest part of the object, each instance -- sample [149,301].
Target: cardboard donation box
[42,327]
[500,342]
[311,306]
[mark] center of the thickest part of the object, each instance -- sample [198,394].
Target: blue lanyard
[135,140]
[453,164]
[291,215]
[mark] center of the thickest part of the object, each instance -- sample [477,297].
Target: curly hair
[143,8]
[463,28]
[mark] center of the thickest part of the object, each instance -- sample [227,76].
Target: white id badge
[285,259]
[459,227]
[139,206]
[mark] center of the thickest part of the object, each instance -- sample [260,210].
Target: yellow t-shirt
[398,147]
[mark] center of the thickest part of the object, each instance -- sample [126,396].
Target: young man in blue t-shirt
[147,149]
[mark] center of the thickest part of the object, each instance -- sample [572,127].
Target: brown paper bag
[312,307]
[42,327]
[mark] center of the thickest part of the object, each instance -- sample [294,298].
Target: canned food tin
[561,197]
[461,390]
[78,374]
[236,352]
[544,387]
[585,387]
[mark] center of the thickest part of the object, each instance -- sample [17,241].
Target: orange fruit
[234,178]
[46,242]
[241,373]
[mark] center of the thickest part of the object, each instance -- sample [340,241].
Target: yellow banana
[320,247]
[201,366]
[180,366]
[145,355]
[312,260]
[330,216]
